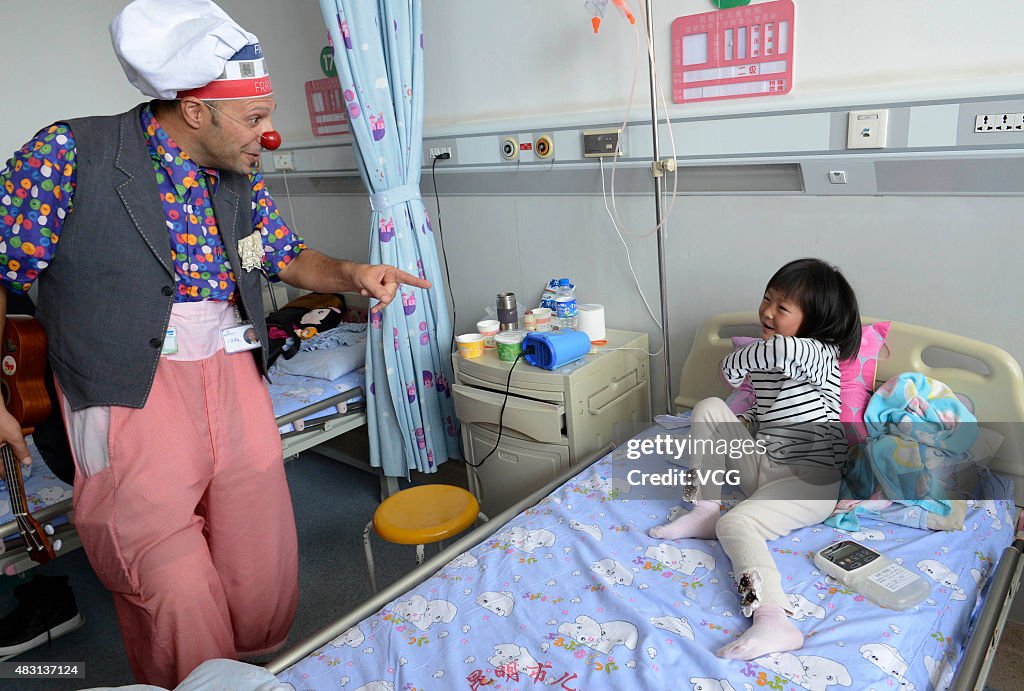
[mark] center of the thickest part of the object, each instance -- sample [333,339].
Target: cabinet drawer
[515,469]
[544,422]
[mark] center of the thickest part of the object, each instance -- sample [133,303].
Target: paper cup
[470,345]
[488,328]
[510,345]
[543,317]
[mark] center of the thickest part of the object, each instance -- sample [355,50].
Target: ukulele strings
[10,468]
[17,503]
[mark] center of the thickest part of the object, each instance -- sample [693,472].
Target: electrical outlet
[437,147]
[999,122]
[867,129]
[598,143]
[284,161]
[510,148]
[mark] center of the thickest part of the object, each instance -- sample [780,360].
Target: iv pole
[657,173]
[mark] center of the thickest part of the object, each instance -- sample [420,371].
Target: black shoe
[46,610]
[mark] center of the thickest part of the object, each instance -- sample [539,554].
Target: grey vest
[106,298]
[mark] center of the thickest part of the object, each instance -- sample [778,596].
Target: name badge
[170,341]
[239,338]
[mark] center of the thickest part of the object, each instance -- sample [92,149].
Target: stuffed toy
[300,320]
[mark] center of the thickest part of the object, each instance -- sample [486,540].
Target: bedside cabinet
[552,420]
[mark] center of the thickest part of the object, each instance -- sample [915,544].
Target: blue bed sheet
[573,594]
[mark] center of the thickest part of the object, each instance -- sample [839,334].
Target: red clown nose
[270,139]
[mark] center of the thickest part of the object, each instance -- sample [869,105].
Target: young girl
[809,322]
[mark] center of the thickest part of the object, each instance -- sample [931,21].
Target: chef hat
[188,47]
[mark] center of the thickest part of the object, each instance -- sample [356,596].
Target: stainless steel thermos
[508,316]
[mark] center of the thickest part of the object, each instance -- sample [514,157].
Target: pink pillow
[856,380]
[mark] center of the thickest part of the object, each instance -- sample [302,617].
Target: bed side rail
[47,513]
[981,646]
[301,413]
[422,573]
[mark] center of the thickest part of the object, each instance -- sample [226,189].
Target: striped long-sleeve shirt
[796,385]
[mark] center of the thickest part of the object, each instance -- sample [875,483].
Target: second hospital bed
[567,590]
[308,410]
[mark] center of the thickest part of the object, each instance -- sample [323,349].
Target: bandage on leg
[699,523]
[770,632]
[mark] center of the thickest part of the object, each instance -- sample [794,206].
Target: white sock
[770,632]
[699,522]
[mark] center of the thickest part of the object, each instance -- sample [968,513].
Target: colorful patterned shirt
[37,192]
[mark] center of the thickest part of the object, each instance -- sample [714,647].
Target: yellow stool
[421,515]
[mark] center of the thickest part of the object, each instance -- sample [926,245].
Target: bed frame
[994,383]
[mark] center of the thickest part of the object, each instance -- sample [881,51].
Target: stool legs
[369,556]
[369,552]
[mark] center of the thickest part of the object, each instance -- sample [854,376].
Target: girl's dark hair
[829,305]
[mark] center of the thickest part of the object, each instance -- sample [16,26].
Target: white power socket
[284,161]
[999,122]
[436,151]
[867,129]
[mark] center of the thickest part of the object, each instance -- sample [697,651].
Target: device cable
[440,234]
[501,415]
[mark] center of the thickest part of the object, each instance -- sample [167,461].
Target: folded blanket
[917,429]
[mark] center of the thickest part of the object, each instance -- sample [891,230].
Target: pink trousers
[184,510]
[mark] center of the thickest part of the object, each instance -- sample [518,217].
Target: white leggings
[781,499]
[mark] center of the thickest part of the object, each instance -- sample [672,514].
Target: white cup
[543,318]
[488,328]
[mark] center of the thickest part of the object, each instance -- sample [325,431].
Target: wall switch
[867,129]
[284,161]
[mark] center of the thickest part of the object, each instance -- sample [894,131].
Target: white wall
[534,61]
[539,61]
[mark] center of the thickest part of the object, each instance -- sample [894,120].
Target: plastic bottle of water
[565,305]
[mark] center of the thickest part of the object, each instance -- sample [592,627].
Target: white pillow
[324,363]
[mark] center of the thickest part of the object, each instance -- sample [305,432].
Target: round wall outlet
[510,148]
[544,147]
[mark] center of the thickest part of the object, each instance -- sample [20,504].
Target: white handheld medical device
[877,578]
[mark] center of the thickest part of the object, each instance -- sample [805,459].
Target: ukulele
[22,382]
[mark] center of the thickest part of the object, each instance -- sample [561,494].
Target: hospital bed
[316,412]
[566,588]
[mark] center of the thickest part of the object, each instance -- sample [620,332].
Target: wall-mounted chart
[733,53]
